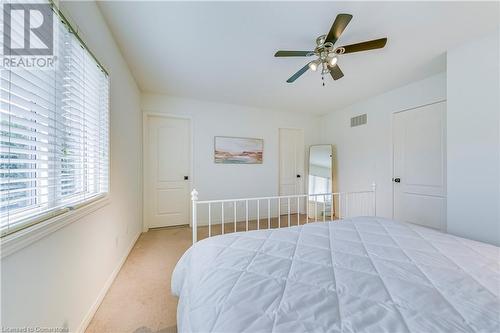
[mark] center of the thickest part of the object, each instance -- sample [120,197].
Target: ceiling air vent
[358,120]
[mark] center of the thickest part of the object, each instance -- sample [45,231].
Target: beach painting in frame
[232,150]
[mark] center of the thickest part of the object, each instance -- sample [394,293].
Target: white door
[419,166]
[167,171]
[291,161]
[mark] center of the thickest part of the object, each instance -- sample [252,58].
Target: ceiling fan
[327,54]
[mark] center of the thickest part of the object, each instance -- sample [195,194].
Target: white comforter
[358,275]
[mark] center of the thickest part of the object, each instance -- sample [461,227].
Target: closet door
[419,166]
[291,166]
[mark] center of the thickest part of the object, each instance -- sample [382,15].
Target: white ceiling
[223,51]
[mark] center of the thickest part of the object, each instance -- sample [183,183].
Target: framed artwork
[233,150]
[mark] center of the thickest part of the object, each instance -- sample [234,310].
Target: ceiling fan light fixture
[332,60]
[327,53]
[313,65]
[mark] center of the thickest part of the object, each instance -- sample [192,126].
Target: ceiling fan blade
[338,26]
[298,74]
[365,46]
[335,72]
[293,53]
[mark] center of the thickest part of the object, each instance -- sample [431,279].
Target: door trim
[145,116]
[444,100]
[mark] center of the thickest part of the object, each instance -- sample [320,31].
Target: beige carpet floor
[139,300]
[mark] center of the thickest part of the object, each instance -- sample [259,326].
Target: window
[53,134]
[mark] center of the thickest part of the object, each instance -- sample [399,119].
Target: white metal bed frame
[362,199]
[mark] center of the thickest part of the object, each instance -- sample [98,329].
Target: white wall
[56,281]
[364,153]
[473,123]
[219,181]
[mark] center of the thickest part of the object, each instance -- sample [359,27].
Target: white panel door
[167,168]
[419,166]
[291,166]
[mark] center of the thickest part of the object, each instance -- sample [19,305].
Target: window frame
[47,225]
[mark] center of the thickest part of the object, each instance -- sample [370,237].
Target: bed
[363,274]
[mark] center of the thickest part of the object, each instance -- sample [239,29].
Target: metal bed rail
[316,207]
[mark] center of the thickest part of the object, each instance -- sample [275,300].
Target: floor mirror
[320,181]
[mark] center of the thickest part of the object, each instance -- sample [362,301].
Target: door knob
[298,176]
[397,180]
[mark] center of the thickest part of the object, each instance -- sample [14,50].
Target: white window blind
[53,134]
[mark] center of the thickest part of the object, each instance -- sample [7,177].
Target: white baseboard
[93,309]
